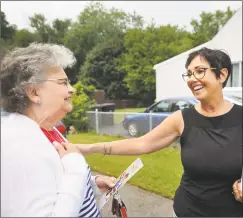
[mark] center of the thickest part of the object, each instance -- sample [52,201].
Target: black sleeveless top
[211,154]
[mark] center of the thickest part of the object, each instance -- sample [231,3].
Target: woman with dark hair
[211,141]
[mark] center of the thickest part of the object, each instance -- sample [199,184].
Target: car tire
[132,129]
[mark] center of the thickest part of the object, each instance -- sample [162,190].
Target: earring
[38,102]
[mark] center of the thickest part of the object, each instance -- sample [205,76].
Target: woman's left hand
[237,191]
[105,182]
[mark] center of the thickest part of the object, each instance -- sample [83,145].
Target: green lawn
[161,172]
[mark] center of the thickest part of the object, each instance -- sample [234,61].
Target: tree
[7,31]
[81,102]
[53,33]
[96,25]
[43,30]
[100,67]
[24,37]
[209,24]
[144,49]
[60,28]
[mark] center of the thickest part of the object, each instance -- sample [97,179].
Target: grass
[161,172]
[118,118]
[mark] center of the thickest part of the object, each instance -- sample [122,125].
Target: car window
[180,105]
[3,112]
[163,106]
[236,98]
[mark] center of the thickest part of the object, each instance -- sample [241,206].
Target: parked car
[3,112]
[140,123]
[234,99]
[233,91]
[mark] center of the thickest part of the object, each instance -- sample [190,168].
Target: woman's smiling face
[55,92]
[203,81]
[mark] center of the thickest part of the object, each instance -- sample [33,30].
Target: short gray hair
[28,66]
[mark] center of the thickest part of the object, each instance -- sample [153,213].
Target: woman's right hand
[65,148]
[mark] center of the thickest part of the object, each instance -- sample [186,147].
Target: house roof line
[179,55]
[200,46]
[237,13]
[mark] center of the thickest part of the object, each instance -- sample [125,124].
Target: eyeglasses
[198,73]
[63,81]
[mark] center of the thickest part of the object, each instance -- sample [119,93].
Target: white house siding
[229,37]
[169,81]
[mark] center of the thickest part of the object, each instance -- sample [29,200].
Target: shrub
[81,101]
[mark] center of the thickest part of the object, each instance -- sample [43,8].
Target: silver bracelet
[110,149]
[105,149]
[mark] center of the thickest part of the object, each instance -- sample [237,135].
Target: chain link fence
[125,124]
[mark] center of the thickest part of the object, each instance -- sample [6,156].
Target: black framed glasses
[198,73]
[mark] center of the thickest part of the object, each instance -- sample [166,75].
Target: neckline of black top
[215,117]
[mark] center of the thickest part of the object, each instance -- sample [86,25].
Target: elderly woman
[211,141]
[36,179]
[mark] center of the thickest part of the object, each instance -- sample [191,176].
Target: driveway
[141,203]
[114,130]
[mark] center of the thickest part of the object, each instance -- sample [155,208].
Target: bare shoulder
[172,125]
[176,120]
[168,131]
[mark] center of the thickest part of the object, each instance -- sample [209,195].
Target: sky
[162,12]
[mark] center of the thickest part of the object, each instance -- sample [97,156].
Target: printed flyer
[121,180]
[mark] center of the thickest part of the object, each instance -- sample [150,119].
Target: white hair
[29,65]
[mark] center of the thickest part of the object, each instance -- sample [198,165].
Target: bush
[79,125]
[81,101]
